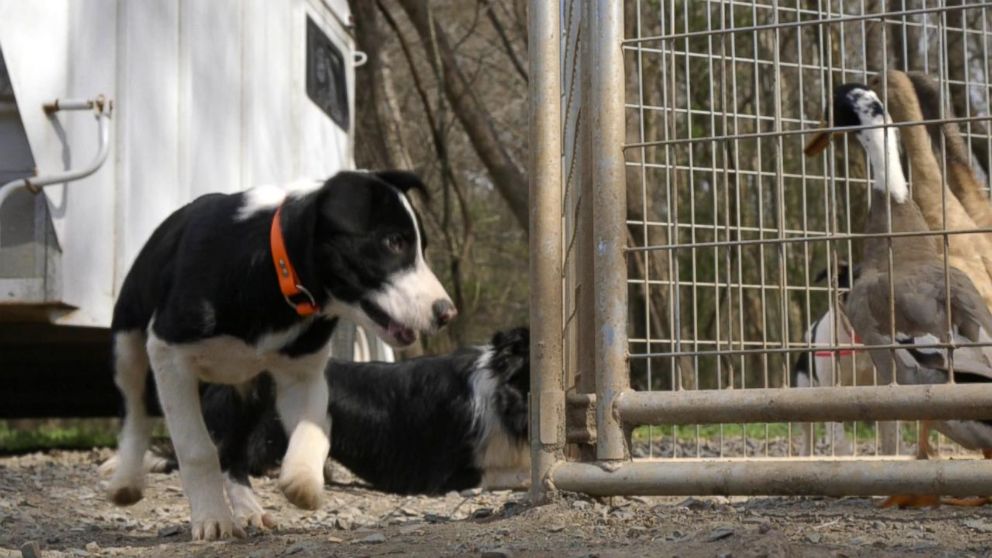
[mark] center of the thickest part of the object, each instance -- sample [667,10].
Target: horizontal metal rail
[888,16]
[837,237]
[807,131]
[729,406]
[776,477]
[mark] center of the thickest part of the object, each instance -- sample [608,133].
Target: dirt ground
[54,500]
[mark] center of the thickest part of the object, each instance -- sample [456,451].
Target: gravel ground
[54,501]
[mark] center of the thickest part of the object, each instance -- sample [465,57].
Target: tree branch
[508,178]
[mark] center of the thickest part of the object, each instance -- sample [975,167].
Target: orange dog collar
[289,281]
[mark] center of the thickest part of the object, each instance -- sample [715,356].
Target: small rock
[470,493]
[556,528]
[335,540]
[482,513]
[718,534]
[814,538]
[622,514]
[581,505]
[877,525]
[92,547]
[343,523]
[170,531]
[497,553]
[980,525]
[636,531]
[764,528]
[411,529]
[374,538]
[295,549]
[726,554]
[30,550]
[696,504]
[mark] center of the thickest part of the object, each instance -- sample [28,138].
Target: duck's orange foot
[974,502]
[911,501]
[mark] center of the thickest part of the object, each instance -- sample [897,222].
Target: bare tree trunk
[876,46]
[508,178]
[372,149]
[905,40]
[957,64]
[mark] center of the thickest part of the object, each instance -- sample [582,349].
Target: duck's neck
[890,199]
[882,146]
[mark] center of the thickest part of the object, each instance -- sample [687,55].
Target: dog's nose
[444,312]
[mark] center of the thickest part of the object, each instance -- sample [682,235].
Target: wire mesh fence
[740,250]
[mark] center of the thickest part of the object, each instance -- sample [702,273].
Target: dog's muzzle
[444,311]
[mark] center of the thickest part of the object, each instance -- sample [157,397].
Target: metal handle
[102,108]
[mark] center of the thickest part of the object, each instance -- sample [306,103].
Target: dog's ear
[404,181]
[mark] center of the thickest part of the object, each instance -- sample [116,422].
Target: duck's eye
[395,243]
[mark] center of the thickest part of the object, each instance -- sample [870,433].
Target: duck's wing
[920,323]
[971,322]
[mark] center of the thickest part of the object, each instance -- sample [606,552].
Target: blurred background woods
[444,92]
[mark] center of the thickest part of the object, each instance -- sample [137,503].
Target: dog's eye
[395,243]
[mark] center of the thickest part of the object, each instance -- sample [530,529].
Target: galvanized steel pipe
[607,118]
[777,477]
[547,396]
[937,402]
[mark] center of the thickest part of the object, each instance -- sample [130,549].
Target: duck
[957,158]
[918,288]
[971,253]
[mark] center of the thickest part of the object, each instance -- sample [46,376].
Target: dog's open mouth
[402,334]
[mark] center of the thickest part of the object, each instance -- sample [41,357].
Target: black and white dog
[230,286]
[423,426]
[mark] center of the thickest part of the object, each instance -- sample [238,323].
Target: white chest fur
[228,360]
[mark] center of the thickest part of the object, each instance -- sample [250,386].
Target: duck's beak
[819,142]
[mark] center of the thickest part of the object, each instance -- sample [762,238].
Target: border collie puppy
[232,285]
[423,426]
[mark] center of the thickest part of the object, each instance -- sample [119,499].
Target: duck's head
[855,105]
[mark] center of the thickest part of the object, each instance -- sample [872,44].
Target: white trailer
[114,113]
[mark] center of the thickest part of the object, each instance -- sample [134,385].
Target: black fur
[407,428]
[203,254]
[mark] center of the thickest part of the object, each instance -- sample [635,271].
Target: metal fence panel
[735,251]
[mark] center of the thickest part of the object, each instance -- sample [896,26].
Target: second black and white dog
[230,286]
[423,426]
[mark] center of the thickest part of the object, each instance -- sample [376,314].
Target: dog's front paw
[215,526]
[303,487]
[258,520]
[247,511]
[123,490]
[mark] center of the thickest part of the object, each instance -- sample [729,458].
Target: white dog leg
[131,371]
[247,510]
[199,466]
[302,405]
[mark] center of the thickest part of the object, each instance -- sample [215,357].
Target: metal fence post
[547,397]
[606,109]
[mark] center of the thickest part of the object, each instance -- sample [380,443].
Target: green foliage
[22,436]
